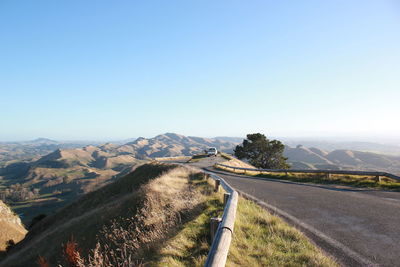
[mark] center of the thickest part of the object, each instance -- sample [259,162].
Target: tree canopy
[261,152]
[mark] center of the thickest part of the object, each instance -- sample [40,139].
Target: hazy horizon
[331,139]
[96,70]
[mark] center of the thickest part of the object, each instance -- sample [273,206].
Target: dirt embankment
[11,227]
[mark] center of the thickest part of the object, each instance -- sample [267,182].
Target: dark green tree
[261,152]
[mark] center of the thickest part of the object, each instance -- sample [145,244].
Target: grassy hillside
[145,209]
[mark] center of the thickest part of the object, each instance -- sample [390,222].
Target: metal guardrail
[222,240]
[366,173]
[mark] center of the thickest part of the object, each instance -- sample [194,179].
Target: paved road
[359,227]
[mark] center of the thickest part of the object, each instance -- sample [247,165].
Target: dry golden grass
[234,162]
[190,246]
[85,218]
[165,202]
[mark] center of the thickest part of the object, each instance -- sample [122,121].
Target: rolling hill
[48,182]
[54,180]
[387,148]
[301,157]
[32,150]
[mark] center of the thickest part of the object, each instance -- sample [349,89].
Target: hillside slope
[11,227]
[55,179]
[145,204]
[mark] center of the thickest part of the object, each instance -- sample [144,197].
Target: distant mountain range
[63,174]
[380,148]
[50,174]
[33,150]
[301,157]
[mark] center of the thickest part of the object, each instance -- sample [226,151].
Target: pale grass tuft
[234,162]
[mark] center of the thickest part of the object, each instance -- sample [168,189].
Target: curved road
[359,227]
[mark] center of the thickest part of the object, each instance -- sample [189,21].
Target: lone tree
[261,152]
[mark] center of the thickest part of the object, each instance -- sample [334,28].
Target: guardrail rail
[328,172]
[222,239]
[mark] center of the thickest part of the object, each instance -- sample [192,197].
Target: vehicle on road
[212,151]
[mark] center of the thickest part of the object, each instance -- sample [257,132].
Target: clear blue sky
[120,69]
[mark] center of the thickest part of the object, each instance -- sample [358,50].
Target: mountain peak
[174,135]
[43,140]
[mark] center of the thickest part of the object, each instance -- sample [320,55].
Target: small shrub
[72,253]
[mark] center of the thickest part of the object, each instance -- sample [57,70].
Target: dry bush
[72,253]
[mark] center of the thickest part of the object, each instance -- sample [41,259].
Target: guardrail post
[214,223]
[328,176]
[378,179]
[217,184]
[226,198]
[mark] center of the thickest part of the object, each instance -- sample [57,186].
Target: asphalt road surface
[359,227]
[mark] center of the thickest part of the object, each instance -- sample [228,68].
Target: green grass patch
[22,206]
[348,180]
